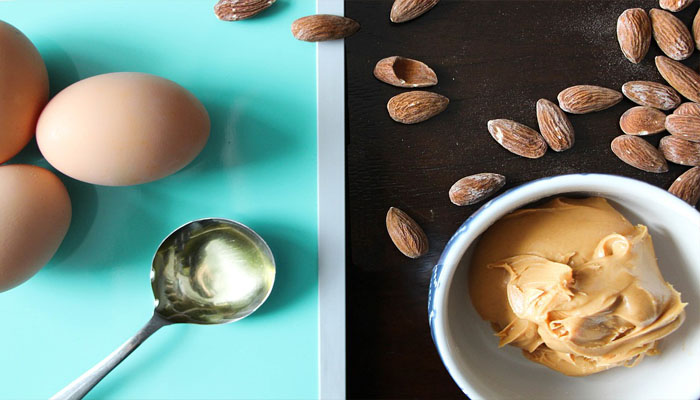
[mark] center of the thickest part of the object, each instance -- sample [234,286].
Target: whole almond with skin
[674,5]
[582,99]
[672,36]
[474,188]
[638,153]
[322,27]
[688,108]
[236,10]
[406,234]
[634,34]
[517,138]
[680,151]
[683,79]
[555,127]
[641,121]
[684,126]
[696,29]
[651,94]
[404,72]
[406,10]
[687,186]
[416,106]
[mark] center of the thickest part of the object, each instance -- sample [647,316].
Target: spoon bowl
[211,271]
[208,271]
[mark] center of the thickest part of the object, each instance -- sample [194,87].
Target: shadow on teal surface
[83,198]
[148,357]
[30,154]
[61,68]
[241,134]
[228,147]
[288,244]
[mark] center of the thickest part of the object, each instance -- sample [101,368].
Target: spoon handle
[81,386]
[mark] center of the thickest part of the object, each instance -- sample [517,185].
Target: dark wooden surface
[494,59]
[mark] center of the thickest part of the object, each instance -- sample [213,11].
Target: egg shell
[35,212]
[122,128]
[24,90]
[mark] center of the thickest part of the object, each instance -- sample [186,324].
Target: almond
[638,153]
[641,121]
[683,79]
[672,36]
[236,10]
[680,151]
[474,188]
[404,72]
[416,106]
[687,186]
[406,10]
[582,99]
[651,94]
[322,27]
[696,29]
[517,138]
[684,126]
[674,5]
[634,34]
[406,234]
[554,126]
[688,108]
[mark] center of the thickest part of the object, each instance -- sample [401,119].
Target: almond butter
[683,79]
[322,27]
[406,10]
[641,121]
[404,72]
[688,108]
[680,151]
[687,186]
[651,94]
[638,153]
[674,5]
[672,36]
[555,127]
[582,99]
[406,234]
[634,34]
[474,188]
[517,138]
[236,10]
[684,126]
[416,106]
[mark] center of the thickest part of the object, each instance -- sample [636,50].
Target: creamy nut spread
[575,285]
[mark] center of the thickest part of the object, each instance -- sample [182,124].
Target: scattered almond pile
[635,29]
[634,32]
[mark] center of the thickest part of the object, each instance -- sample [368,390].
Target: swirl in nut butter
[574,285]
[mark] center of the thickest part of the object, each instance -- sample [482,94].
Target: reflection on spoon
[208,271]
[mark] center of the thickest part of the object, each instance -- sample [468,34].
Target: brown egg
[24,90]
[35,213]
[122,128]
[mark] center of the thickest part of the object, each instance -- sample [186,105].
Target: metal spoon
[208,271]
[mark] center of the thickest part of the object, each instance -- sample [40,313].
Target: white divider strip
[330,86]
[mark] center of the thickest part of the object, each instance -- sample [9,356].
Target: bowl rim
[478,222]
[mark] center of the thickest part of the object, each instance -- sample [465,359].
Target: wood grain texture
[493,59]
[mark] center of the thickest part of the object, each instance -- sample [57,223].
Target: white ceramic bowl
[470,350]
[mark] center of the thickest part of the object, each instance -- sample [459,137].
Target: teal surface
[259,168]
